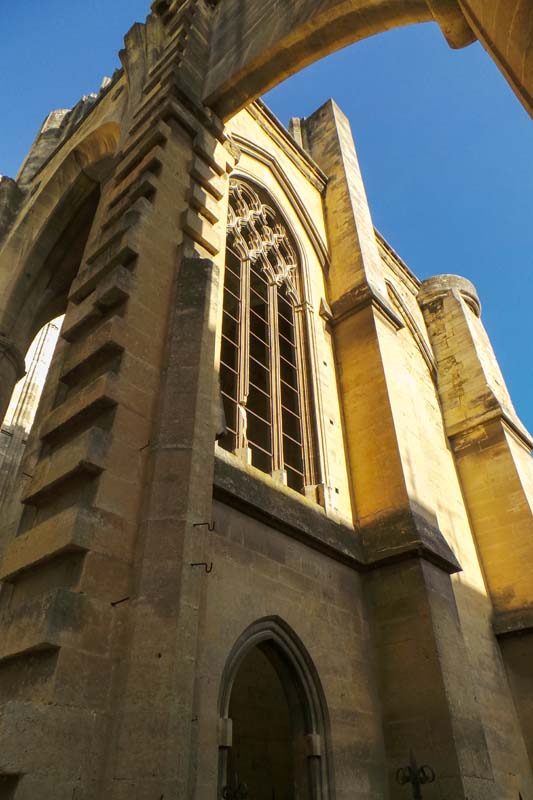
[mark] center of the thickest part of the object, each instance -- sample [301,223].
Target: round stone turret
[441,285]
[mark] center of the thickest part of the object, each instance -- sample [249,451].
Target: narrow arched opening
[21,412]
[42,296]
[273,725]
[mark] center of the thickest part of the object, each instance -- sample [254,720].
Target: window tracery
[263,362]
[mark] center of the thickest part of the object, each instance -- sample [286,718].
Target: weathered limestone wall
[114,637]
[89,537]
[406,488]
[431,475]
[492,452]
[261,572]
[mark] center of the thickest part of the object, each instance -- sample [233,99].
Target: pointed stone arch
[41,254]
[301,683]
[256,45]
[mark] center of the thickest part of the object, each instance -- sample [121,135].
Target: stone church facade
[272,535]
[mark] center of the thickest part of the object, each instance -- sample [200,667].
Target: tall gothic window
[263,361]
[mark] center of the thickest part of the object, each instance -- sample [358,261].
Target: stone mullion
[244,361]
[278,467]
[312,457]
[318,439]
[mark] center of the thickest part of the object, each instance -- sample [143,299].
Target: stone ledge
[463,436]
[60,617]
[123,253]
[152,164]
[114,289]
[439,286]
[84,455]
[361,298]
[201,231]
[513,623]
[130,219]
[254,493]
[74,530]
[203,174]
[407,534]
[97,397]
[398,536]
[137,150]
[109,340]
[38,624]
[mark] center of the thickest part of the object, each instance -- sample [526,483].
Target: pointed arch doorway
[273,737]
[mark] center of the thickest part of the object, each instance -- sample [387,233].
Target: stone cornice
[395,537]
[361,298]
[513,623]
[465,429]
[406,535]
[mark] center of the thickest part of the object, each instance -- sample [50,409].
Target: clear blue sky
[445,147]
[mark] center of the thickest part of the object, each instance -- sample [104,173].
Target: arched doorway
[273,720]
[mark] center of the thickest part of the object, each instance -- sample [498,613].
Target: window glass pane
[258,326]
[228,381]
[287,350]
[229,354]
[260,459]
[260,375]
[291,425]
[259,403]
[286,329]
[290,402]
[231,306]
[259,434]
[258,286]
[259,350]
[232,283]
[284,305]
[289,399]
[229,440]
[294,479]
[292,454]
[288,373]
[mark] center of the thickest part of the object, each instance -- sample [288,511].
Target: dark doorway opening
[262,757]
[275,721]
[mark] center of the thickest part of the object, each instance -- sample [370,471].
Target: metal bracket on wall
[209,525]
[208,567]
